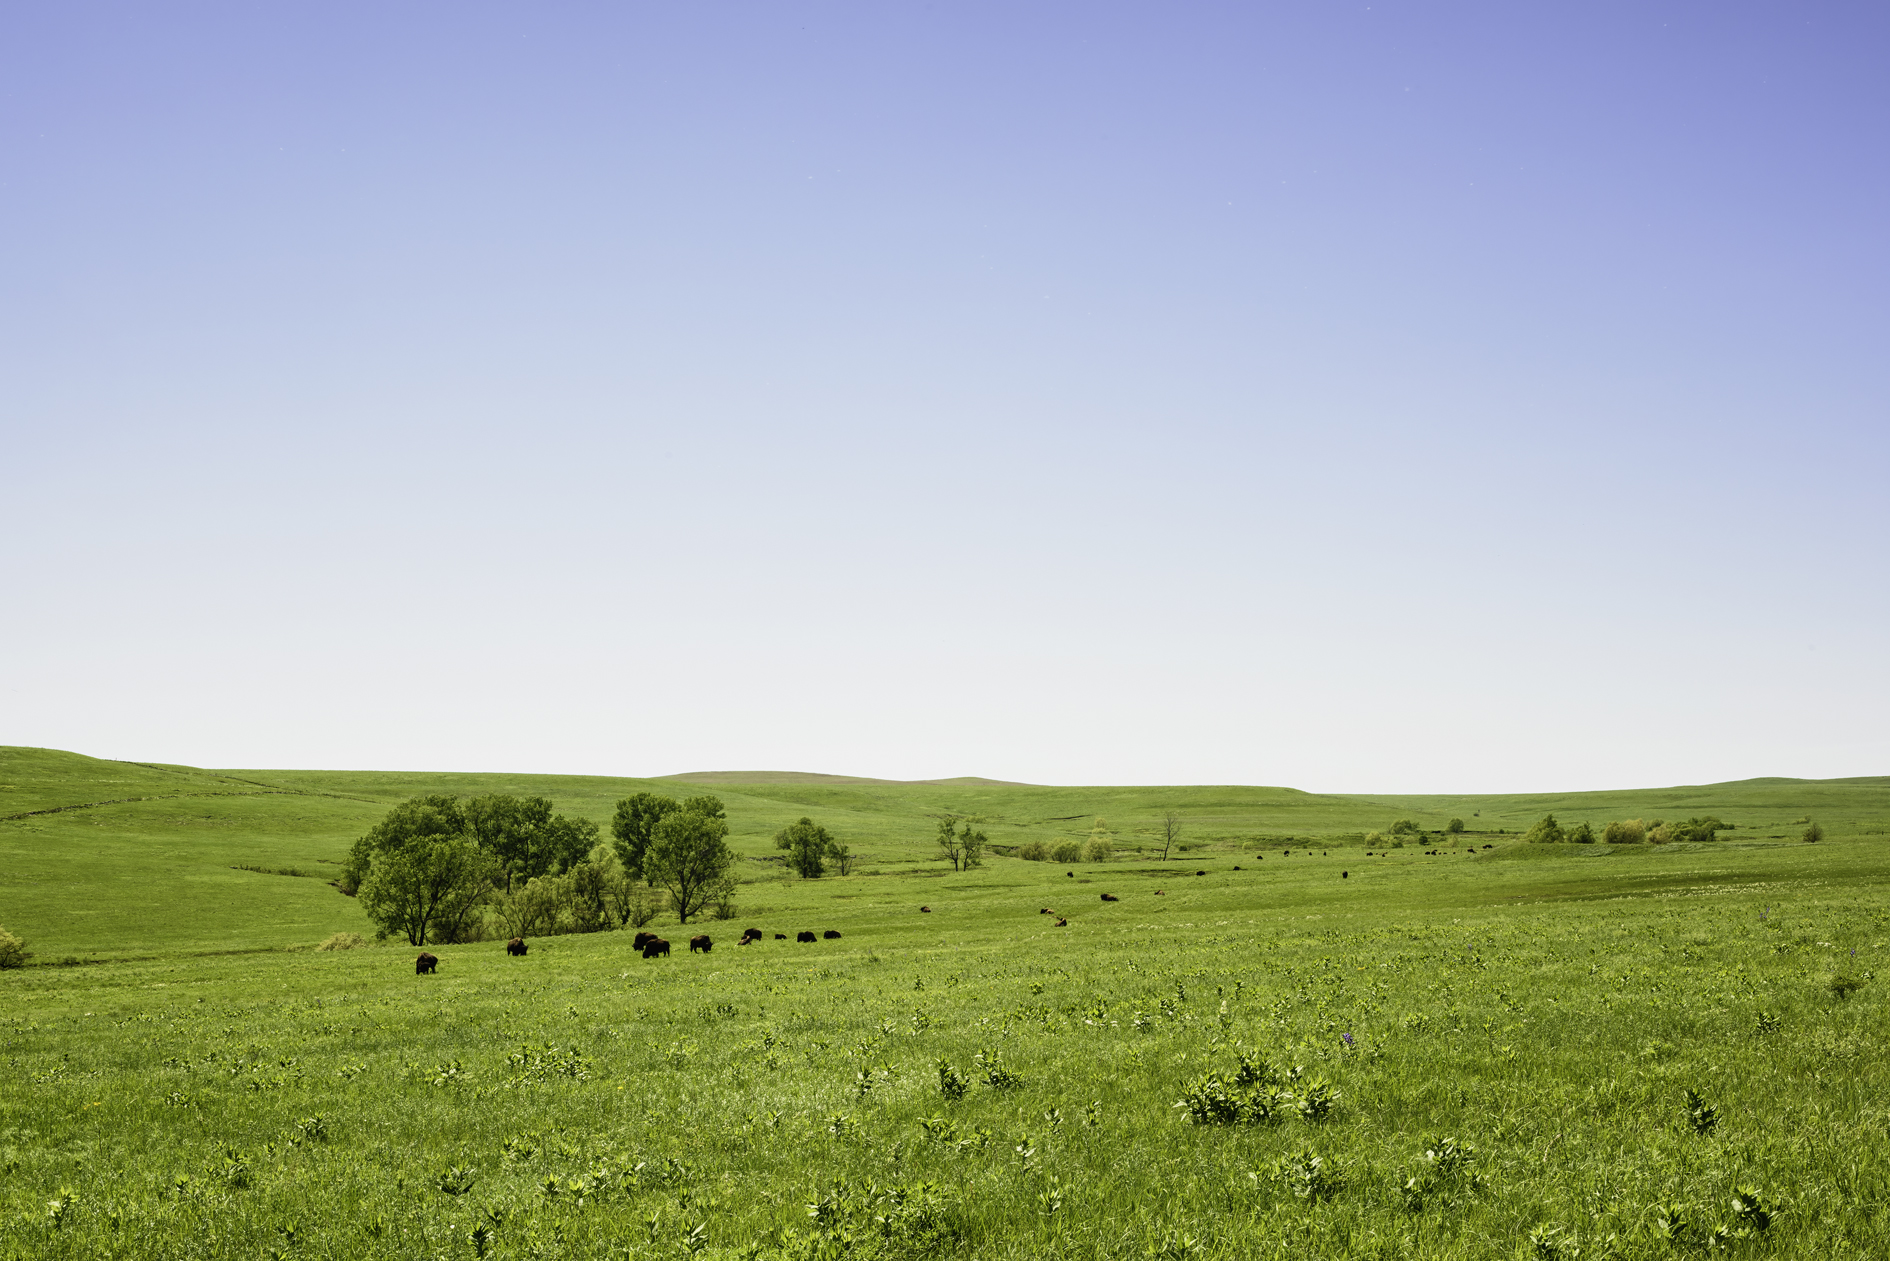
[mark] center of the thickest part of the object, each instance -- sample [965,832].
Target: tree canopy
[808,845]
[689,856]
[429,890]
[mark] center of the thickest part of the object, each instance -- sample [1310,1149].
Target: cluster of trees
[1099,847]
[963,847]
[437,868]
[810,847]
[1627,831]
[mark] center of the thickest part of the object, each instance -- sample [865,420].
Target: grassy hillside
[1546,1009]
[102,859]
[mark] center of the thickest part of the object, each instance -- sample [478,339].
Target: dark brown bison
[832,934]
[425,963]
[642,939]
[804,935]
[752,934]
[516,946]
[1070,874]
[655,946]
[1345,875]
[780,936]
[1110,897]
[1044,910]
[1158,893]
[702,943]
[1200,873]
[1236,869]
[1062,923]
[925,910]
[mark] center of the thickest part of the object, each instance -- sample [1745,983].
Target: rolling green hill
[104,858]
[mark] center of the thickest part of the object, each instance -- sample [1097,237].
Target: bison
[752,934]
[1110,897]
[1200,873]
[804,935]
[832,934]
[780,936]
[1063,923]
[1345,875]
[655,946]
[425,963]
[925,910]
[701,943]
[516,946]
[642,939]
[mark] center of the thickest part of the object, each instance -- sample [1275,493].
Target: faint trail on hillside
[119,801]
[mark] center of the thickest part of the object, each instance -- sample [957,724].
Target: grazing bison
[1070,874]
[642,939]
[752,934]
[1044,910]
[701,943]
[1345,875]
[425,963]
[832,934]
[1158,893]
[655,946]
[744,941]
[780,936]
[804,935]
[516,946]
[1110,897]
[1200,873]
[925,910]
[1236,869]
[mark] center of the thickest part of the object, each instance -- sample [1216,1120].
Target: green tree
[13,951]
[1406,827]
[412,821]
[1454,827]
[1814,833]
[1545,831]
[1698,829]
[430,889]
[1582,834]
[808,845]
[689,856]
[634,824]
[843,859]
[526,837]
[963,847]
[1625,832]
[1171,832]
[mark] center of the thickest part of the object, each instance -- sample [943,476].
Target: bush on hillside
[1545,831]
[1625,832]
[1033,851]
[13,951]
[343,941]
[1067,852]
[1097,850]
[1698,829]
[1582,834]
[1406,827]
[1454,827]
[1814,833]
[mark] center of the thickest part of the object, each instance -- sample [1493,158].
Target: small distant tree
[1171,832]
[1625,832]
[1814,833]
[689,856]
[1067,852]
[962,847]
[1582,834]
[1545,831]
[13,951]
[1454,827]
[1658,832]
[430,890]
[843,859]
[1033,851]
[808,846]
[633,825]
[1099,847]
[1697,829]
[1406,827]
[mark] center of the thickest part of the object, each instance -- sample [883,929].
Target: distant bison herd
[651,946]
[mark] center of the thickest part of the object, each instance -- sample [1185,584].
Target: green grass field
[206,1085]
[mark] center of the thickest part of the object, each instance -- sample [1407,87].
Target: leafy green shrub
[1702,1116]
[1406,827]
[1545,831]
[1445,1173]
[1033,851]
[1752,1211]
[951,1083]
[1582,834]
[991,1062]
[1698,829]
[13,951]
[1454,827]
[1814,833]
[1067,852]
[342,941]
[1625,832]
[1097,850]
[1308,1176]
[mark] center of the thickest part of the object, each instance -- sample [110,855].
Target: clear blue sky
[1422,397]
